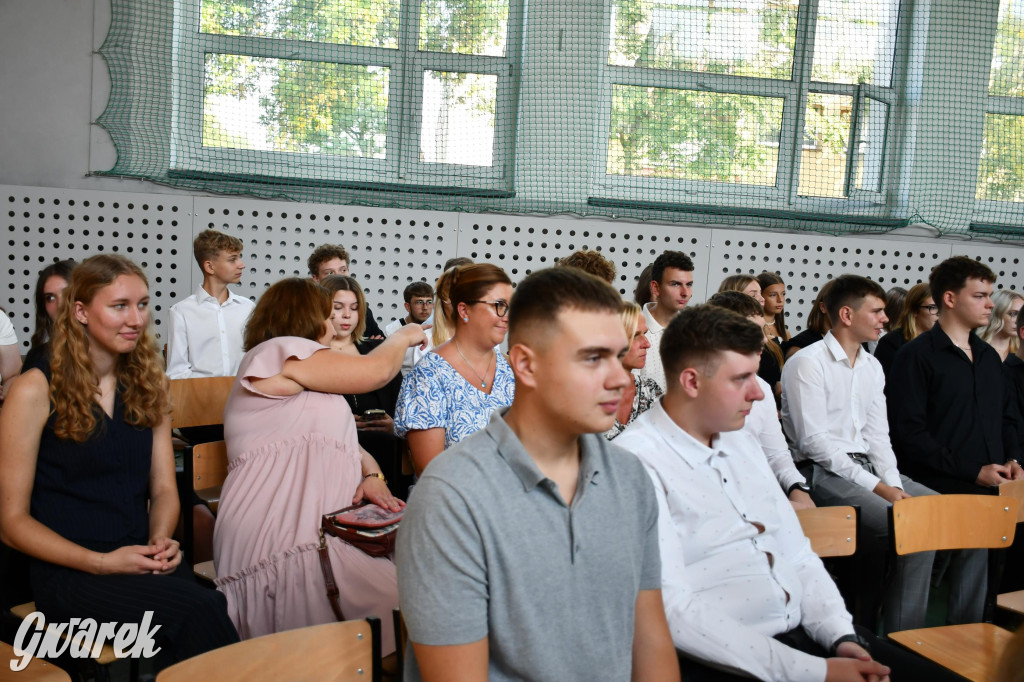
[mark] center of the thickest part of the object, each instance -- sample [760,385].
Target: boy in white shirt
[419,303]
[205,335]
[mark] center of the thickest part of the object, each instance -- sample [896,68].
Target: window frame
[406,64]
[784,195]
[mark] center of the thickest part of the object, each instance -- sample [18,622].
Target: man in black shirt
[952,415]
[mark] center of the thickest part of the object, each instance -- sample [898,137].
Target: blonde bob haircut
[336,283]
[294,306]
[74,384]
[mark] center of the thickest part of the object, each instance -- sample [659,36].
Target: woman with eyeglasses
[1001,330]
[452,391]
[918,315]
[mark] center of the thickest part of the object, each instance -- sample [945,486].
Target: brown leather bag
[366,527]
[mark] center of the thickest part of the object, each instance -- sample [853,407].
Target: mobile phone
[373,414]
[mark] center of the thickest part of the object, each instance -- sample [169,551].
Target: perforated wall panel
[388,248]
[806,262]
[43,225]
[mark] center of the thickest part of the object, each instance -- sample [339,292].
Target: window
[390,92]
[773,103]
[1001,163]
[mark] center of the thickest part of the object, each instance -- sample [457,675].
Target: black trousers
[193,619]
[904,664]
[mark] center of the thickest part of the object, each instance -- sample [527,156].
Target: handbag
[367,527]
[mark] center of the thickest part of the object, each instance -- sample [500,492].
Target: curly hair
[293,306]
[592,262]
[74,384]
[44,325]
[324,253]
[336,283]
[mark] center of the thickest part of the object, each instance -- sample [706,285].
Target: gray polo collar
[512,451]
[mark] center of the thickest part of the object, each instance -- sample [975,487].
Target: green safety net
[830,115]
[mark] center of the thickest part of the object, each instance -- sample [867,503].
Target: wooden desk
[972,651]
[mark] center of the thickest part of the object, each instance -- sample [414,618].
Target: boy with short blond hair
[205,335]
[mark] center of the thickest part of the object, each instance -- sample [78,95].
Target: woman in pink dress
[293,455]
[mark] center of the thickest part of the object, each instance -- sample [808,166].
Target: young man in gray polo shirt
[529,551]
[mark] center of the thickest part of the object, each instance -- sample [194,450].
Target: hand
[853,664]
[1016,472]
[376,337]
[800,500]
[380,424]
[889,493]
[129,560]
[375,490]
[168,552]
[413,335]
[993,474]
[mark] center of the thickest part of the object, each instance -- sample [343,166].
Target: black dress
[95,494]
[384,447]
[887,347]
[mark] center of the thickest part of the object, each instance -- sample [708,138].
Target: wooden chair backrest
[209,464]
[938,522]
[831,530]
[37,669]
[199,402]
[1014,489]
[335,651]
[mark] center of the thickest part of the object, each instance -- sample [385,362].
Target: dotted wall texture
[391,248]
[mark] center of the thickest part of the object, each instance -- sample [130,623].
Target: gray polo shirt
[488,548]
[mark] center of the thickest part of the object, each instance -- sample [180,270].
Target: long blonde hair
[1002,301]
[74,384]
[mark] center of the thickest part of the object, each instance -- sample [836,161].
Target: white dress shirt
[728,588]
[653,368]
[763,424]
[831,409]
[413,354]
[205,337]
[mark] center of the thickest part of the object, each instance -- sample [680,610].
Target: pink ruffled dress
[290,459]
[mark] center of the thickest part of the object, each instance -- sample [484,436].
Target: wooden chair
[1013,601]
[341,652]
[946,522]
[197,402]
[831,530]
[37,669]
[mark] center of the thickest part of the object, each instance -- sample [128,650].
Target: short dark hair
[540,297]
[697,333]
[642,292]
[670,259]
[324,253]
[417,289]
[458,260]
[293,306]
[952,275]
[850,290]
[592,262]
[738,302]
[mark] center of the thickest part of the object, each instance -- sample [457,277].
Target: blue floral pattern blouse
[434,395]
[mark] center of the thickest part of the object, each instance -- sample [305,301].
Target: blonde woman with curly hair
[88,487]
[1001,332]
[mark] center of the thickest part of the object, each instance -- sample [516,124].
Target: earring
[465,319]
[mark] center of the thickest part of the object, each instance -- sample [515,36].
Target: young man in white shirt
[419,303]
[834,410]
[205,334]
[744,593]
[671,290]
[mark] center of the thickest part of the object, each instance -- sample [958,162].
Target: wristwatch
[798,486]
[855,638]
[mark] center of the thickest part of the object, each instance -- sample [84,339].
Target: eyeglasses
[422,302]
[933,309]
[500,306]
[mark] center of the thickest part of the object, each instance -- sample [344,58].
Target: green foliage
[1001,171]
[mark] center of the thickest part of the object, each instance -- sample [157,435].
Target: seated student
[452,391]
[333,259]
[671,289]
[419,303]
[205,334]
[952,416]
[763,421]
[833,409]
[88,485]
[591,262]
[773,291]
[744,593]
[1014,365]
[638,397]
[917,316]
[817,324]
[49,293]
[529,551]
[770,368]
[999,332]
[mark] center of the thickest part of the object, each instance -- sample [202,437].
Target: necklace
[483,384]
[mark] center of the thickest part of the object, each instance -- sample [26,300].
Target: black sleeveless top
[95,493]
